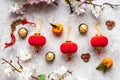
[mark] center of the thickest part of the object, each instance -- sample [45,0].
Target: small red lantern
[99,41]
[68,48]
[37,41]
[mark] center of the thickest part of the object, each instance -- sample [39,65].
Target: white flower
[70,77]
[61,71]
[9,72]
[78,7]
[26,73]
[80,11]
[60,74]
[96,12]
[25,56]
[16,9]
[31,2]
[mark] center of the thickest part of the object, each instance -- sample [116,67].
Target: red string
[13,39]
[24,21]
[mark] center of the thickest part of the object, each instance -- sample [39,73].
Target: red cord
[13,39]
[24,21]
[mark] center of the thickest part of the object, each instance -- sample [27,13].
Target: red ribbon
[13,39]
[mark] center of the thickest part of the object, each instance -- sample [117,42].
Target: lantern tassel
[69,59]
[98,29]
[68,33]
[99,52]
[37,49]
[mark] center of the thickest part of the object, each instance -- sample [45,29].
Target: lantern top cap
[37,34]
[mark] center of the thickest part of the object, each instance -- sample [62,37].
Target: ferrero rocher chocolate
[83,28]
[22,32]
[50,56]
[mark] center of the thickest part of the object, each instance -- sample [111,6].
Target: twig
[56,4]
[70,72]
[34,77]
[10,63]
[19,63]
[112,5]
[71,9]
[92,4]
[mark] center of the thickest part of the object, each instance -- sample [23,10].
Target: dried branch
[70,72]
[34,77]
[21,67]
[56,4]
[10,63]
[71,9]
[112,5]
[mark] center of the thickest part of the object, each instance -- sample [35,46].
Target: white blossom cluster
[19,9]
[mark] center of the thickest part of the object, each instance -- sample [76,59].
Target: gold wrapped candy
[22,32]
[50,56]
[83,28]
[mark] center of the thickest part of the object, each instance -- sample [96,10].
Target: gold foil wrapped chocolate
[22,32]
[83,28]
[50,56]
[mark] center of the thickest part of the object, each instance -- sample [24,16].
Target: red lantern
[99,41]
[68,48]
[37,41]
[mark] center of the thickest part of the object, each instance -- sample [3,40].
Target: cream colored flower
[25,56]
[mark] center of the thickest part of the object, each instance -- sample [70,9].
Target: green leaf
[42,77]
[101,67]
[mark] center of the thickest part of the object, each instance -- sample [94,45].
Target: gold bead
[83,28]
[50,56]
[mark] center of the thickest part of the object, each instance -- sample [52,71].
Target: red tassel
[13,39]
[24,21]
[69,59]
[99,52]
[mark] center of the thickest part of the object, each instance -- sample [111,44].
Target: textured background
[61,14]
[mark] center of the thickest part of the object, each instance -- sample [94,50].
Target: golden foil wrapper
[22,32]
[50,56]
[83,28]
